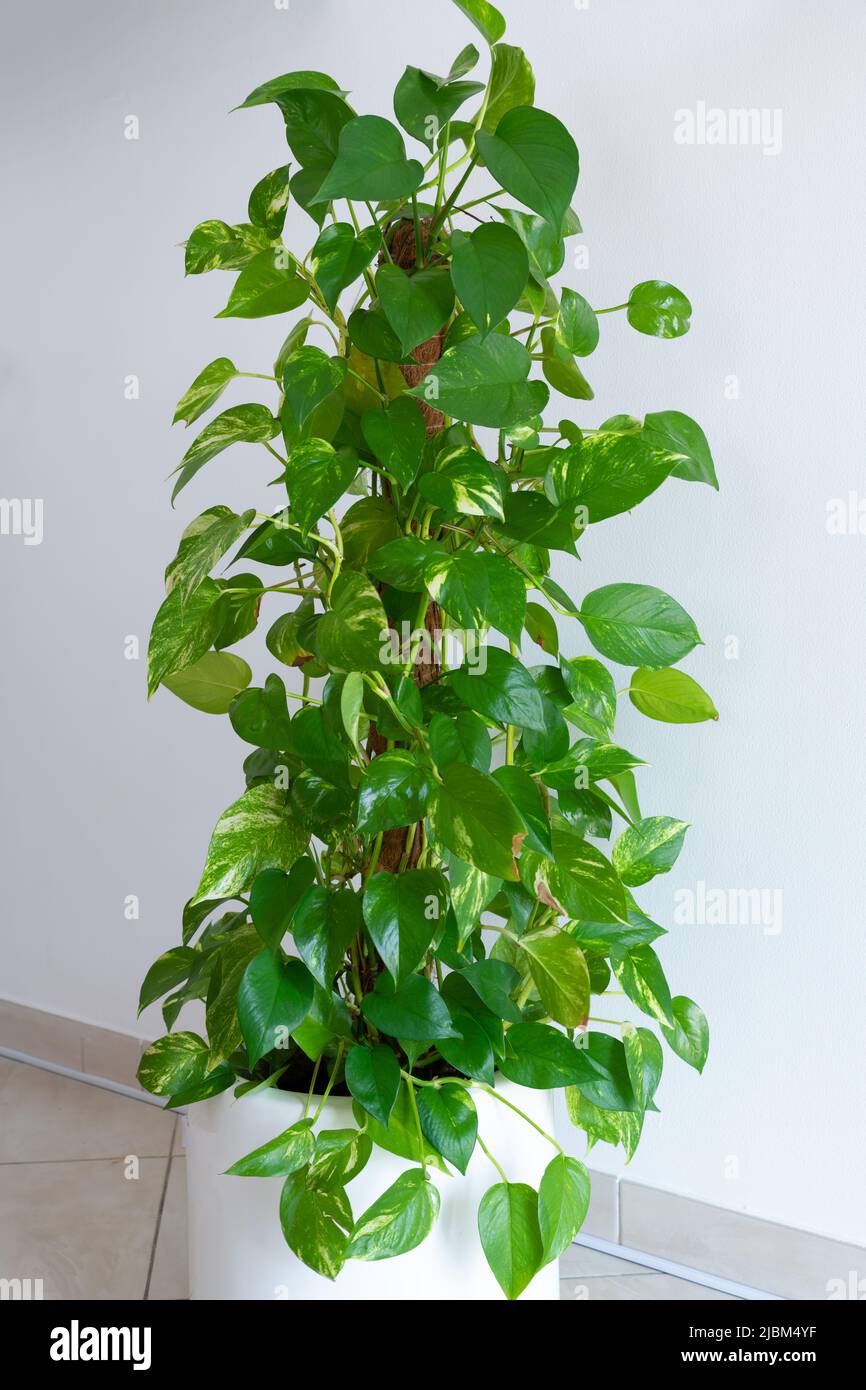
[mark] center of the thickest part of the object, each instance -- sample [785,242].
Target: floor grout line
[159,1213]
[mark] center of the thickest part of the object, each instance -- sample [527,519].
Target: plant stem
[421,1145]
[543,1132]
[312,1084]
[331,1079]
[484,1149]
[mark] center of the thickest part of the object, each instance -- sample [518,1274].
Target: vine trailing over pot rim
[426,793]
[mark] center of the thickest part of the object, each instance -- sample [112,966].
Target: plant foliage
[408,899]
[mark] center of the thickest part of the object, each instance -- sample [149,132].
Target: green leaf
[675,433]
[182,633]
[243,424]
[221,1014]
[276,542]
[486,18]
[645,1061]
[543,1058]
[544,244]
[309,377]
[373,1078]
[469,1050]
[397,1221]
[317,475]
[450,1121]
[295,338]
[651,847]
[640,973]
[413,1010]
[211,683]
[372,335]
[269,284]
[274,897]
[541,626]
[274,997]
[416,306]
[576,324]
[256,832]
[609,1087]
[561,370]
[529,517]
[423,103]
[477,589]
[512,83]
[492,981]
[593,696]
[464,483]
[401,1135]
[316,1218]
[396,437]
[690,1035]
[368,525]
[173,1063]
[489,268]
[510,1235]
[341,1154]
[203,544]
[607,474]
[579,882]
[463,739]
[535,159]
[473,817]
[269,201]
[503,690]
[559,973]
[205,390]
[291,1150]
[638,625]
[371,164]
[484,382]
[260,715]
[349,637]
[323,927]
[563,1201]
[339,257]
[279,89]
[659,309]
[171,969]
[403,912]
[610,1126]
[525,794]
[291,635]
[213,245]
[670,696]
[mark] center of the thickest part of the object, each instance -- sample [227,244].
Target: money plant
[426,883]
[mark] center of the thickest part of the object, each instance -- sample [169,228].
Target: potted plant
[404,915]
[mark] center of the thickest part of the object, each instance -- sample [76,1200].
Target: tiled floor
[93,1200]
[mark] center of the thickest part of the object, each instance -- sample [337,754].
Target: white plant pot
[237,1248]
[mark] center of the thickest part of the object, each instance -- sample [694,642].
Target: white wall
[106,796]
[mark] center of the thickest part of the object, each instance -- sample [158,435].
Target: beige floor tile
[581,1262]
[662,1288]
[45,1117]
[83,1228]
[170,1276]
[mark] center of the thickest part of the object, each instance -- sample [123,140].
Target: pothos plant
[408,901]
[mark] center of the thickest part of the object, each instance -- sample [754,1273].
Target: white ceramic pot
[237,1248]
